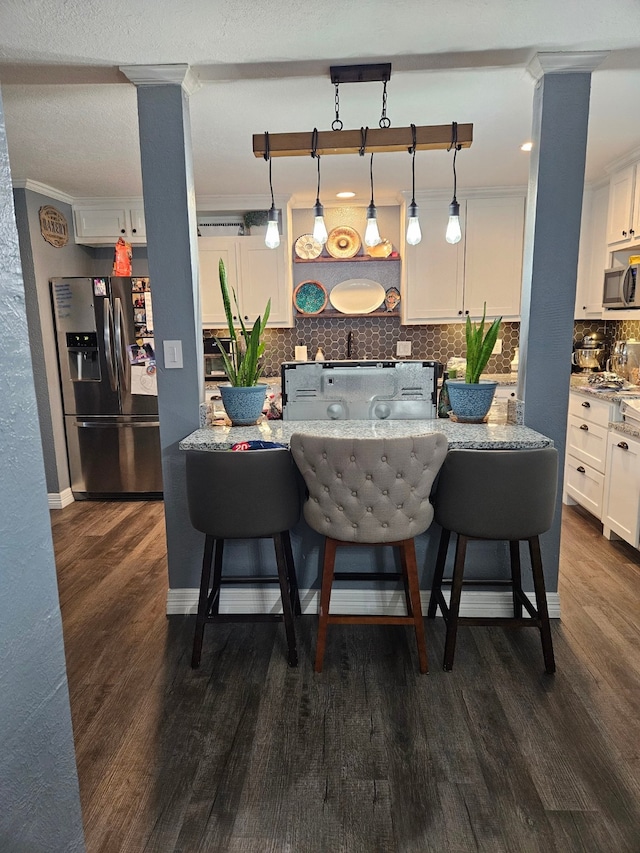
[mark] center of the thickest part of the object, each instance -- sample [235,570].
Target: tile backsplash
[376,338]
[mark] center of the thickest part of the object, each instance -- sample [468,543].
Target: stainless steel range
[359,390]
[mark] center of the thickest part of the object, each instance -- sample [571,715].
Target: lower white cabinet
[621,514]
[255,272]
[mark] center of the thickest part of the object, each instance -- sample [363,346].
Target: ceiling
[71,115]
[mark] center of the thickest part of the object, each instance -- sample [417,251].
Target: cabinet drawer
[584,484]
[587,442]
[591,410]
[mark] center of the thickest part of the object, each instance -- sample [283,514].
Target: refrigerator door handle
[122,359]
[117,425]
[108,345]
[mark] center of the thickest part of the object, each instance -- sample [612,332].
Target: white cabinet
[445,283]
[623,223]
[103,223]
[594,256]
[586,451]
[621,515]
[255,272]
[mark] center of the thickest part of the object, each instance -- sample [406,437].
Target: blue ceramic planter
[470,402]
[243,405]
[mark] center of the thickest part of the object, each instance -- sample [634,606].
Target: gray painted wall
[39,796]
[40,262]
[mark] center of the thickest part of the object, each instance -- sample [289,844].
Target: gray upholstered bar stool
[244,495]
[370,492]
[500,495]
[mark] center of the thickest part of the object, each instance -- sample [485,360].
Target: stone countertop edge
[460,436]
[625,428]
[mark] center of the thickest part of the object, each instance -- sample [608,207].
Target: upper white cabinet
[594,256]
[103,223]
[444,283]
[623,224]
[255,272]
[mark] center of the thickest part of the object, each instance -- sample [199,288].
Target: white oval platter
[357,296]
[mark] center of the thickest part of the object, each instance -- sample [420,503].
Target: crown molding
[162,75]
[566,62]
[43,189]
[622,162]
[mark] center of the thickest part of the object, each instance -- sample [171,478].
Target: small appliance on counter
[213,362]
[360,390]
[590,354]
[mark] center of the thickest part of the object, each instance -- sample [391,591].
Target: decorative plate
[310,297]
[307,247]
[357,296]
[343,242]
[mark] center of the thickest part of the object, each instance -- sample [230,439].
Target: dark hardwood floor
[248,755]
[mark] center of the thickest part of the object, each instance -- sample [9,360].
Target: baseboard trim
[477,603]
[59,500]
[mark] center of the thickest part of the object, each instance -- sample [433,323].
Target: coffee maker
[589,354]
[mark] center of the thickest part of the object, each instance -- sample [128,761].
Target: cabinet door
[262,272]
[109,223]
[210,251]
[622,488]
[621,189]
[434,271]
[138,228]
[593,257]
[493,256]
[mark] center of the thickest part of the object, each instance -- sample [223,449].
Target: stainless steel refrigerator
[106,358]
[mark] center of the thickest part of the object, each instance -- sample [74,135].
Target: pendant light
[319,227]
[272,237]
[414,234]
[454,234]
[372,234]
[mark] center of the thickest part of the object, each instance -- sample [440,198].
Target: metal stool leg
[291,571]
[541,604]
[436,586]
[454,604]
[285,595]
[516,578]
[325,599]
[201,618]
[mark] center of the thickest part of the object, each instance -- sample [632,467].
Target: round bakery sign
[53,226]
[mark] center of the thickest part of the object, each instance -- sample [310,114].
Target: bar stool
[244,495]
[370,492]
[498,495]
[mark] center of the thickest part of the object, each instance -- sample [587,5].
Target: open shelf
[331,312]
[327,259]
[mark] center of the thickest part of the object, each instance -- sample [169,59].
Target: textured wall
[39,797]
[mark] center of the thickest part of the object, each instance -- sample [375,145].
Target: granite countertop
[466,436]
[580,383]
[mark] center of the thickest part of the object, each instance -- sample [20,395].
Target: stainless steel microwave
[621,287]
[213,361]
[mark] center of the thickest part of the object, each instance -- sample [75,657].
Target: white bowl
[357,296]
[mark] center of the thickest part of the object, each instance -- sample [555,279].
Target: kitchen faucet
[349,344]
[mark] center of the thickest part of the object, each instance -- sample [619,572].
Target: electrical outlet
[403,348]
[497,349]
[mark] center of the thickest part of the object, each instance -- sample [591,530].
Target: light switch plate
[403,348]
[172,354]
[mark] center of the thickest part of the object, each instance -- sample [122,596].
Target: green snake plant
[242,365]
[479,346]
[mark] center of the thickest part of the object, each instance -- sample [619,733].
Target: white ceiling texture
[264,65]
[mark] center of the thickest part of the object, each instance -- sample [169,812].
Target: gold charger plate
[307,247]
[343,242]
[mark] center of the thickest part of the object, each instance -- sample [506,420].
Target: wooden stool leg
[201,618]
[438,574]
[516,578]
[325,599]
[454,604]
[291,571]
[541,604]
[285,595]
[410,570]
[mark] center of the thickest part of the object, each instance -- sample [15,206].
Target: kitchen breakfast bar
[486,560]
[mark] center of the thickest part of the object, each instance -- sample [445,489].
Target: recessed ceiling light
[346,194]
[527,146]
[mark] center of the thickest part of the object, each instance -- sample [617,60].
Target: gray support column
[552,236]
[39,796]
[170,216]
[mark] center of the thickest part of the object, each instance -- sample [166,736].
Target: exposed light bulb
[454,234]
[372,234]
[272,237]
[319,227]
[345,194]
[414,234]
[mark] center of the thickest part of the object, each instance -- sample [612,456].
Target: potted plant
[244,398]
[471,399]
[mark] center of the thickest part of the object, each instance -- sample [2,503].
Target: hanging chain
[336,123]
[384,121]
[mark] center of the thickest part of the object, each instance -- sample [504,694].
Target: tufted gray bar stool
[499,495]
[244,495]
[370,491]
